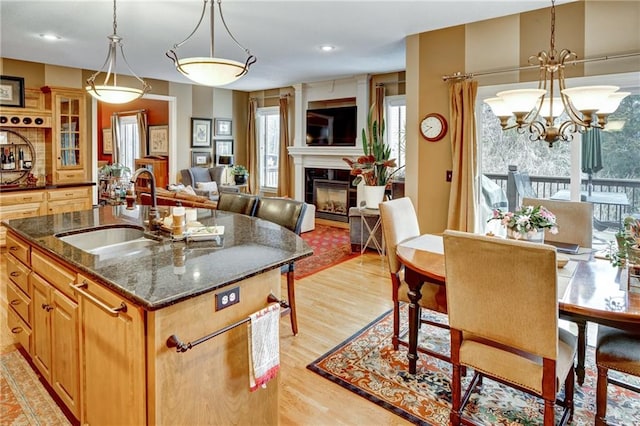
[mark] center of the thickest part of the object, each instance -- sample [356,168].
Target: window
[268,139]
[129,141]
[395,122]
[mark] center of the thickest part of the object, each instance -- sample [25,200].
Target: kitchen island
[98,326]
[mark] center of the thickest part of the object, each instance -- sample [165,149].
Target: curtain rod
[461,76]
[128,112]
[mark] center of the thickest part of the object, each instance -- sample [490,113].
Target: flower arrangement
[374,167]
[627,242]
[526,221]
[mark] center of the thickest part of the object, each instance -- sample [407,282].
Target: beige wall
[591,29]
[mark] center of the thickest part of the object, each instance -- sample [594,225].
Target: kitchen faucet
[154,223]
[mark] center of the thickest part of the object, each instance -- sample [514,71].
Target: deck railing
[546,186]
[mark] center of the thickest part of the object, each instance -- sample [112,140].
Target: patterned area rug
[23,399]
[331,245]
[367,365]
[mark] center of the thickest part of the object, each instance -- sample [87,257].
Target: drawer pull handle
[15,274]
[27,198]
[47,308]
[14,248]
[114,312]
[15,302]
[68,194]
[16,330]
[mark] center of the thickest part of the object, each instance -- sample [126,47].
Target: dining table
[590,289]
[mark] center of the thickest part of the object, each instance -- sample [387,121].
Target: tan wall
[591,29]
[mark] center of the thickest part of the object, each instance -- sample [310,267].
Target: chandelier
[112,93]
[211,71]
[537,110]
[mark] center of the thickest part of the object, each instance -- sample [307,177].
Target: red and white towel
[264,346]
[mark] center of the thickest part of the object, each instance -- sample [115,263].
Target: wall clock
[433,127]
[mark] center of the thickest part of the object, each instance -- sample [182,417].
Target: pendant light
[211,71]
[108,92]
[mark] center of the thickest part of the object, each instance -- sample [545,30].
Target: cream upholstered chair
[399,224]
[574,219]
[287,213]
[616,350]
[503,313]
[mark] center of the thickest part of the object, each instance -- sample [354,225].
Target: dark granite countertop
[154,277]
[24,187]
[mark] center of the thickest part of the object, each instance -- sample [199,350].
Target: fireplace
[330,190]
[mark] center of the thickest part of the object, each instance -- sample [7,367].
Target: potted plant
[115,170]
[527,223]
[374,167]
[240,174]
[627,245]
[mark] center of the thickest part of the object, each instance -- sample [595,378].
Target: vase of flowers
[527,223]
[374,167]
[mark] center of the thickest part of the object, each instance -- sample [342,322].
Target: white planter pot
[373,195]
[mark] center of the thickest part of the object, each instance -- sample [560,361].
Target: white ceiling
[285,36]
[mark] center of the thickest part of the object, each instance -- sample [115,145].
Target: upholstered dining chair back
[503,312]
[237,203]
[399,223]
[283,211]
[574,219]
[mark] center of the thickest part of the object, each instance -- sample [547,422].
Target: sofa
[205,181]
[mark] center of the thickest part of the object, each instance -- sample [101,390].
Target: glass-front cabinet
[67,160]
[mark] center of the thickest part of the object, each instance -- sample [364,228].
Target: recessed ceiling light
[50,37]
[327,48]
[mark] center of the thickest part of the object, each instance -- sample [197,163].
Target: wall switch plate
[449,175]
[226,298]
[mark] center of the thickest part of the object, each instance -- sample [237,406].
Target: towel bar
[174,342]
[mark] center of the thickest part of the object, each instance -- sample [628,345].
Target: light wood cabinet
[19,313]
[67,150]
[113,353]
[56,328]
[68,199]
[156,165]
[16,205]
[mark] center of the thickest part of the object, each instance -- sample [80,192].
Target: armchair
[200,179]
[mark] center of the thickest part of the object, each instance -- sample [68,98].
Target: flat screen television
[332,126]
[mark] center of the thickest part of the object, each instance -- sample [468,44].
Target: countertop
[23,187]
[155,277]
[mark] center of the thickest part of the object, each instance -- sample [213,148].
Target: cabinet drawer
[19,301]
[54,272]
[18,211]
[19,249]
[18,273]
[70,176]
[22,197]
[68,194]
[55,207]
[19,329]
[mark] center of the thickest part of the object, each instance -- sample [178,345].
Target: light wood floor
[332,305]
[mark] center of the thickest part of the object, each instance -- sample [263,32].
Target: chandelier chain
[115,21]
[553,27]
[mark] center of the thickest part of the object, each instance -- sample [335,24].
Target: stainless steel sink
[110,242]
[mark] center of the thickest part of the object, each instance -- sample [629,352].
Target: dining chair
[503,313]
[400,224]
[289,214]
[237,203]
[617,350]
[574,219]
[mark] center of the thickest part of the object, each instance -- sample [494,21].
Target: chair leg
[396,325]
[549,414]
[569,391]
[601,396]
[291,294]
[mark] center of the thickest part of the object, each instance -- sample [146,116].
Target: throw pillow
[211,187]
[189,190]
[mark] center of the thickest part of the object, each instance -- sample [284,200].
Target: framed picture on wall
[200,132]
[223,147]
[11,91]
[223,127]
[159,140]
[200,159]
[107,141]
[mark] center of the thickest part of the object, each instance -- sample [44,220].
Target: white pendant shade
[521,100]
[612,102]
[499,107]
[589,98]
[114,94]
[558,107]
[210,71]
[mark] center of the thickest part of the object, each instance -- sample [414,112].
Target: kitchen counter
[170,271]
[7,188]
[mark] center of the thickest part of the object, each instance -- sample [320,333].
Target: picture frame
[4,138]
[11,91]
[200,132]
[222,147]
[159,140]
[107,141]
[200,159]
[223,127]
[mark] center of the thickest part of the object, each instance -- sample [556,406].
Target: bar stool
[616,350]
